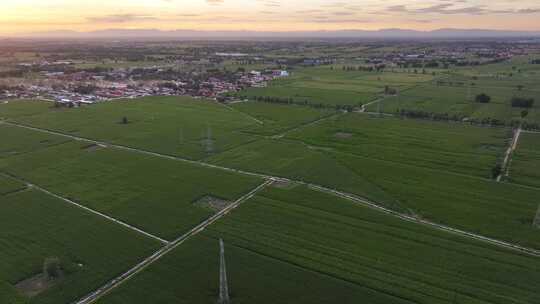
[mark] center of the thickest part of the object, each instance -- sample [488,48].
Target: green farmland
[166,165]
[278,118]
[384,256]
[253,278]
[171,125]
[332,86]
[525,166]
[102,179]
[430,170]
[8,185]
[35,226]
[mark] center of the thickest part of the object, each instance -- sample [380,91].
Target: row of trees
[521,102]
[516,102]
[377,68]
[487,121]
[305,102]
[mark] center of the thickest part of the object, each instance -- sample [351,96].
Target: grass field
[190,274]
[172,125]
[8,185]
[382,254]
[459,101]
[92,250]
[333,86]
[458,88]
[278,118]
[449,147]
[17,141]
[130,186]
[417,185]
[525,165]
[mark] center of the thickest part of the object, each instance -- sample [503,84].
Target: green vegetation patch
[8,185]
[421,188]
[278,118]
[90,250]
[190,274]
[180,126]
[130,186]
[17,140]
[449,147]
[525,164]
[380,253]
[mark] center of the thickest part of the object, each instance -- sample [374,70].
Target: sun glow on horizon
[25,16]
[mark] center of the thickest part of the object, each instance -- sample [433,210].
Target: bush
[520,102]
[52,268]
[483,98]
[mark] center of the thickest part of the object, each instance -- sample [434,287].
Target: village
[88,87]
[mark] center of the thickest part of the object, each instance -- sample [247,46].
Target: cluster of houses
[83,87]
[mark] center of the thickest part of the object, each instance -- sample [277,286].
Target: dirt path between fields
[513,146]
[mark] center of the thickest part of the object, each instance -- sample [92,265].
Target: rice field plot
[16,141]
[179,126]
[190,274]
[458,101]
[449,147]
[525,163]
[20,108]
[278,118]
[333,86]
[88,250]
[296,160]
[380,253]
[498,210]
[154,194]
[8,185]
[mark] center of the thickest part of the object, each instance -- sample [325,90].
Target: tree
[520,87]
[125,120]
[524,113]
[521,102]
[52,268]
[483,98]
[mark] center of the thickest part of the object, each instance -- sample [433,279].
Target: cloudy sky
[22,16]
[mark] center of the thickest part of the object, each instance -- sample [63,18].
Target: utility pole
[223,285]
[536,222]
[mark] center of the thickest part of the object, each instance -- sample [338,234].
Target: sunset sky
[24,16]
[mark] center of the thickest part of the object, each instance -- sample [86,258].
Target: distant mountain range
[358,34]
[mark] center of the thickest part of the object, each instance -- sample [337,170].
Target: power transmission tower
[209,141]
[536,222]
[223,285]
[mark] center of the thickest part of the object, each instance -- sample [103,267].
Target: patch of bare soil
[92,147]
[35,285]
[343,135]
[282,184]
[211,202]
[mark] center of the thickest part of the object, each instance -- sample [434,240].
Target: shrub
[520,102]
[483,98]
[52,268]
